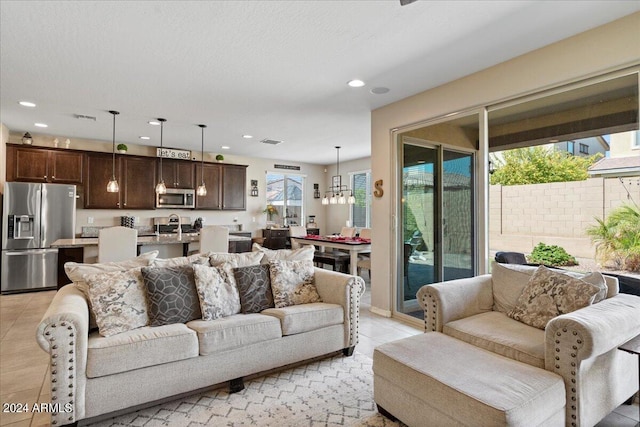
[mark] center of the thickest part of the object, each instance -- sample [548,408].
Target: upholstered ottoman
[435,380]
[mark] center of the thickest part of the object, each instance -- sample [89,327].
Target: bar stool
[214,238]
[117,244]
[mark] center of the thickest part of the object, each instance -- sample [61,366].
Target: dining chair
[297,231]
[117,244]
[214,238]
[348,232]
[364,259]
[365,233]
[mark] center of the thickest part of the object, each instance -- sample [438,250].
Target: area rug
[337,391]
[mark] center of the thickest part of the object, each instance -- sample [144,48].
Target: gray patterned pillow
[254,287]
[171,295]
[118,300]
[292,283]
[549,294]
[217,291]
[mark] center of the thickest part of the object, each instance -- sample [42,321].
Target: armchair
[580,346]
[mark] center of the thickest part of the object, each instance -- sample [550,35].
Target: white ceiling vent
[83,116]
[271,141]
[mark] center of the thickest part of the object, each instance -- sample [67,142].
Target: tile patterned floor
[24,370]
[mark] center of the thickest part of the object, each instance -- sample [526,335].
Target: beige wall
[597,51]
[521,216]
[252,219]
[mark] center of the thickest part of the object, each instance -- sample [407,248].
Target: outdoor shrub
[551,255]
[617,238]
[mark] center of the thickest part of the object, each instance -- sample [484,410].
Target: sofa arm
[345,290]
[63,333]
[456,299]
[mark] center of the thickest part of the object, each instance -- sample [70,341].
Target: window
[584,149]
[285,193]
[361,210]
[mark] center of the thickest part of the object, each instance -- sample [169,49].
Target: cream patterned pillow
[549,294]
[244,259]
[180,261]
[217,291]
[304,253]
[118,300]
[292,283]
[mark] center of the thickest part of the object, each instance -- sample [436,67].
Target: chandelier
[338,190]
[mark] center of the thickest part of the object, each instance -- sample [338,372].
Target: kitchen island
[82,249]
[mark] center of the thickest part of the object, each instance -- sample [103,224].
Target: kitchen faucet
[179,225]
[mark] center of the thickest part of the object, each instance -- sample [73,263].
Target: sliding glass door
[436,208]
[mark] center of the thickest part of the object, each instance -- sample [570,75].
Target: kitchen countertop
[163,239]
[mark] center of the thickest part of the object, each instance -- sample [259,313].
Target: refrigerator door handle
[30,252]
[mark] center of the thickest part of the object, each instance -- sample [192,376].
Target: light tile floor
[24,369]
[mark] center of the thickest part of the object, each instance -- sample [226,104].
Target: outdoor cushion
[227,333]
[296,319]
[139,348]
[498,333]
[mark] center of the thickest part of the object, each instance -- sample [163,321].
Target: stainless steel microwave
[177,198]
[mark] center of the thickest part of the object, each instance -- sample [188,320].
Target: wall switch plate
[90,220]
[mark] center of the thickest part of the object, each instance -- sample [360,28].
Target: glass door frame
[480,198]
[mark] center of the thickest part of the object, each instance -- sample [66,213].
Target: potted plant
[270,210]
[122,148]
[219,157]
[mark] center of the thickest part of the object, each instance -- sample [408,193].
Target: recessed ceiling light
[224,147]
[27,104]
[152,123]
[41,125]
[247,136]
[554,140]
[379,90]
[144,137]
[355,83]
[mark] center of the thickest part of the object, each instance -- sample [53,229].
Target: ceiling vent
[82,116]
[271,141]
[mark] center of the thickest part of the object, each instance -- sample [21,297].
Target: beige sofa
[580,346]
[92,375]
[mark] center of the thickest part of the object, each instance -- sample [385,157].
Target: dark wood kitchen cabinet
[137,190]
[226,187]
[234,187]
[136,178]
[177,173]
[97,176]
[36,164]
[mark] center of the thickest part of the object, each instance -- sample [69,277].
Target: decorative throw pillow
[304,253]
[201,259]
[549,294]
[244,259]
[292,283]
[595,278]
[217,291]
[508,282]
[76,272]
[118,300]
[171,295]
[254,287]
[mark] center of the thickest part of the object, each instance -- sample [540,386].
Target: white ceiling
[272,69]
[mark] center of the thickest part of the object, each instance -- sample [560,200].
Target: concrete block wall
[557,213]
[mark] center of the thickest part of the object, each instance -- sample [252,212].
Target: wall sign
[378,192]
[172,153]
[293,168]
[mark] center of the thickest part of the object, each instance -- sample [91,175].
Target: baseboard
[380,312]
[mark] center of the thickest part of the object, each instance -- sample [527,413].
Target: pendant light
[112,186]
[202,189]
[161,188]
[338,190]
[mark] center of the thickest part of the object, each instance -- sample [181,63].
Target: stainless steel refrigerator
[33,217]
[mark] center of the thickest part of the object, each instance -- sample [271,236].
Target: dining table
[354,245]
